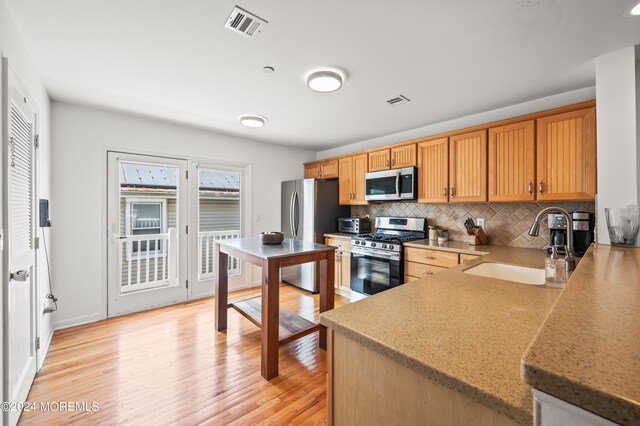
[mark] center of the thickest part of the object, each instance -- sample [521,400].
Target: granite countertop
[289,247]
[452,246]
[464,331]
[339,235]
[587,352]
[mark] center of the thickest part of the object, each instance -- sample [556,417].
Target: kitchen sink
[502,271]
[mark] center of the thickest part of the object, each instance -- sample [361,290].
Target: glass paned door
[147,217]
[217,192]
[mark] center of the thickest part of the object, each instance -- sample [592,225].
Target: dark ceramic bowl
[271,237]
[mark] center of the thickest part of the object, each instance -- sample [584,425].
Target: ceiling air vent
[398,100]
[245,23]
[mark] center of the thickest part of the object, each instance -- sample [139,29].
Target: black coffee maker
[583,225]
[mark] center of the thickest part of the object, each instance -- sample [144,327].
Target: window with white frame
[145,217]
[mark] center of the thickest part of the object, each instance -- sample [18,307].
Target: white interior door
[148,225]
[19,284]
[219,212]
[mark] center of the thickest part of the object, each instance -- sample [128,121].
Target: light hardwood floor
[168,366]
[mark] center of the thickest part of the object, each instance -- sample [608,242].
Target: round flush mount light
[325,81]
[634,9]
[252,120]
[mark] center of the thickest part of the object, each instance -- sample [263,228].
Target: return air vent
[398,100]
[245,23]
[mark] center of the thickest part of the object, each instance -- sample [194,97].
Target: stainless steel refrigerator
[310,209]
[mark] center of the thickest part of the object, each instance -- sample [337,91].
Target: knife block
[478,238]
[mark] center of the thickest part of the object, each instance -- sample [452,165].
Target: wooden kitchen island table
[278,327]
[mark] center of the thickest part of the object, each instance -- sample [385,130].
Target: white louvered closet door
[19,222]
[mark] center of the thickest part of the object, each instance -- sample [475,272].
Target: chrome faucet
[570,258]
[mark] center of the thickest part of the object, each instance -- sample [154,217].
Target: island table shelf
[278,327]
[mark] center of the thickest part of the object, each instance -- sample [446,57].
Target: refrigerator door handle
[296,206]
[291,215]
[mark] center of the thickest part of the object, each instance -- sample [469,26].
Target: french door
[164,217]
[148,224]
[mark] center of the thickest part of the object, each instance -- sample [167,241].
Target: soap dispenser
[554,269]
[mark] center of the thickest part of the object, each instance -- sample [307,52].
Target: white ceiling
[172,59]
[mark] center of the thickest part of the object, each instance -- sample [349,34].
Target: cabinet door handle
[444,192]
[386,163]
[540,187]
[392,162]
[530,188]
[428,257]
[353,196]
[452,192]
[427,273]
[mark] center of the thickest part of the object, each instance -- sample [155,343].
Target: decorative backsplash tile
[506,224]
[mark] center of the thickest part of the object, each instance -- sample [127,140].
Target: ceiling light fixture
[252,120]
[634,10]
[325,81]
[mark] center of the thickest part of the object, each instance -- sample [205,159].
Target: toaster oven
[354,225]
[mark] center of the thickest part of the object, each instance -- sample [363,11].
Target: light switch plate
[480,222]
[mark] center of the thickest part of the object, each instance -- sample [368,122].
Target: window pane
[146,216]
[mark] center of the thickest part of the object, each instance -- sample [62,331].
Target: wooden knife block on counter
[478,238]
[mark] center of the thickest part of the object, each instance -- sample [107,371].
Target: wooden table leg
[270,318]
[327,291]
[221,288]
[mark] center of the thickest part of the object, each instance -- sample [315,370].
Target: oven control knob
[356,242]
[390,246]
[373,244]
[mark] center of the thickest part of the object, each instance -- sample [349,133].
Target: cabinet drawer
[467,257]
[420,269]
[431,257]
[409,278]
[342,244]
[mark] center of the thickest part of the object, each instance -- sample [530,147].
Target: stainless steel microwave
[391,185]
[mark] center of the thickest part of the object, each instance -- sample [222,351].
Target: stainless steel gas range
[377,262]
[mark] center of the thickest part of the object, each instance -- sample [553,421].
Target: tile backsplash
[506,224]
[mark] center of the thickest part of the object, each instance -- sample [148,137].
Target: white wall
[618,147]
[12,47]
[524,108]
[81,136]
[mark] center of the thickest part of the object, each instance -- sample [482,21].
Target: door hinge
[37,141]
[36,242]
[187,283]
[37,343]
[186,174]
[187,229]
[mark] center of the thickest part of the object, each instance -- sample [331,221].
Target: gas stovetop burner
[397,239]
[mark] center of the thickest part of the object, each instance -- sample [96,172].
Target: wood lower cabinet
[512,162]
[433,171]
[421,263]
[468,167]
[327,169]
[352,171]
[393,158]
[567,156]
[342,267]
[364,387]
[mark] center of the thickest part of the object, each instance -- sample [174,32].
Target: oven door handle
[379,254]
[398,184]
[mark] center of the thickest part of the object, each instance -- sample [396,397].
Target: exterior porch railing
[206,241]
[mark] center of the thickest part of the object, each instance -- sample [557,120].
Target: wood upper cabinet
[312,170]
[393,158]
[567,156]
[379,160]
[352,179]
[433,171]
[327,169]
[468,167]
[403,156]
[512,162]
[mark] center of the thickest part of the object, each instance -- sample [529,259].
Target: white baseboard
[59,325]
